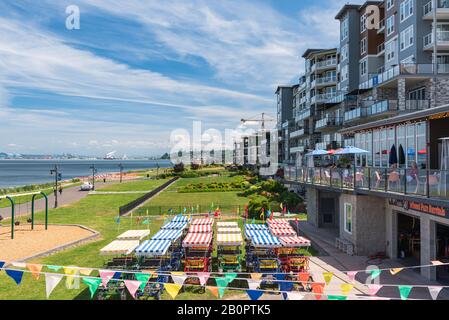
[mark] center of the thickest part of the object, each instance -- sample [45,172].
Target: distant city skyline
[135,70]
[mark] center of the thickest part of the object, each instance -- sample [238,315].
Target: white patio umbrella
[318,152]
[350,150]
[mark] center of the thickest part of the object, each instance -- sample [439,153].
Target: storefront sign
[420,207]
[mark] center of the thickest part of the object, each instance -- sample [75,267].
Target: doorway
[409,239]
[442,251]
[328,209]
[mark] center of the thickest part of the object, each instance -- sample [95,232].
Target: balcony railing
[323,97]
[325,80]
[328,122]
[326,63]
[442,36]
[304,115]
[415,182]
[441,4]
[299,133]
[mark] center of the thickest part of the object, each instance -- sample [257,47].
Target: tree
[179,167]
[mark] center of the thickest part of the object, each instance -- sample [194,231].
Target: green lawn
[138,185]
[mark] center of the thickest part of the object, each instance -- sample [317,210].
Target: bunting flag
[262,214]
[253,284]
[93,284]
[404,291]
[230,277]
[132,287]
[117,276]
[293,296]
[172,289]
[395,271]
[351,275]
[327,277]
[286,286]
[2,263]
[304,278]
[19,264]
[117,220]
[253,221]
[203,277]
[51,281]
[54,268]
[373,289]
[318,289]
[16,275]
[268,214]
[375,273]
[179,277]
[143,278]
[146,221]
[437,263]
[336,297]
[70,280]
[434,292]
[214,291]
[222,283]
[256,276]
[254,294]
[346,288]
[35,270]
[86,272]
[105,276]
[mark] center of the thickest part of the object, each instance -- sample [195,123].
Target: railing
[418,182]
[442,36]
[326,63]
[299,133]
[381,26]
[441,4]
[328,122]
[380,48]
[323,97]
[326,80]
[304,115]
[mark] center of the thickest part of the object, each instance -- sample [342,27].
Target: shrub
[179,167]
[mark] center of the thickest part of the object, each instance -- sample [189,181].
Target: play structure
[10,198]
[229,247]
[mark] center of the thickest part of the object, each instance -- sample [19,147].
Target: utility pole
[435,51]
[58,177]
[121,171]
[94,171]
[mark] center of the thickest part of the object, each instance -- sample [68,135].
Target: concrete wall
[312,206]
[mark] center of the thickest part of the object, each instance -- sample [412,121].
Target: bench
[345,246]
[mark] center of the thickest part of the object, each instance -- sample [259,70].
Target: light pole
[58,177]
[94,171]
[121,171]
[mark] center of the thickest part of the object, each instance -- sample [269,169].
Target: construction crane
[262,121]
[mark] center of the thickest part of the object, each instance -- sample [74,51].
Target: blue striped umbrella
[153,248]
[266,241]
[175,225]
[255,227]
[171,235]
[250,234]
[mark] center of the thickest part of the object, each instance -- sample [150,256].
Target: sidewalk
[331,259]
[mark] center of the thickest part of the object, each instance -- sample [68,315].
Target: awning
[256,233]
[278,221]
[175,225]
[120,247]
[293,242]
[266,242]
[153,248]
[280,226]
[287,232]
[181,218]
[203,221]
[206,228]
[256,227]
[171,235]
[229,230]
[197,240]
[134,235]
[229,239]
[227,224]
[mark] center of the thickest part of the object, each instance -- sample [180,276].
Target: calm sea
[25,172]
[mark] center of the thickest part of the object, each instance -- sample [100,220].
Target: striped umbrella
[153,248]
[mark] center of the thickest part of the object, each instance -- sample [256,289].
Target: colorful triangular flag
[16,275]
[346,288]
[143,278]
[318,289]
[93,284]
[327,277]
[373,289]
[336,297]
[214,291]
[375,273]
[35,270]
[106,276]
[256,276]
[222,283]
[172,289]
[254,294]
[203,277]
[2,263]
[132,287]
[253,284]
[351,275]
[293,296]
[434,292]
[404,291]
[54,268]
[179,277]
[395,271]
[51,281]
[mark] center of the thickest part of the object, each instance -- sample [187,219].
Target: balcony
[442,41]
[372,109]
[381,49]
[407,69]
[304,115]
[381,27]
[411,182]
[299,133]
[442,10]
[328,123]
[297,149]
[326,64]
[325,81]
[322,98]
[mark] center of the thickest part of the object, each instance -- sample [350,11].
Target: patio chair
[394,178]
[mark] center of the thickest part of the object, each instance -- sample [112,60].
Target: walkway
[332,260]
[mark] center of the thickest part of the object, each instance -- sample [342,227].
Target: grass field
[138,185]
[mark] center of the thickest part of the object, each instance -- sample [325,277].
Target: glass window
[376,148]
[369,147]
[421,145]
[406,9]
[390,50]
[390,24]
[384,148]
[402,144]
[344,32]
[407,38]
[411,146]
[390,4]
[363,23]
[348,218]
[363,46]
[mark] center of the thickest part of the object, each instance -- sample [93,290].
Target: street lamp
[94,171]
[58,177]
[121,171]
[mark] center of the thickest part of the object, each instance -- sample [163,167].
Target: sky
[137,70]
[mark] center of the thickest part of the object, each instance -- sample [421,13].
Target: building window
[344,32]
[390,50]
[390,4]
[363,23]
[344,73]
[390,25]
[344,52]
[363,46]
[348,218]
[363,67]
[407,38]
[406,9]
[417,94]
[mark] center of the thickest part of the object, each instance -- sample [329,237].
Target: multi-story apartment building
[391,100]
[285,123]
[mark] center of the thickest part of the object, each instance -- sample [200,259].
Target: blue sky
[136,70]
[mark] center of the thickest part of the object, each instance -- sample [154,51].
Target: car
[86,186]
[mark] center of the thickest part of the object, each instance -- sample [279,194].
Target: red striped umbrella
[197,240]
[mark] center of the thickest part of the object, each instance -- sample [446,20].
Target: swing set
[10,198]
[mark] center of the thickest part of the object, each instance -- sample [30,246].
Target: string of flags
[222,282]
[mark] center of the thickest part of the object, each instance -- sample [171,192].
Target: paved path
[331,259]
[69,195]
